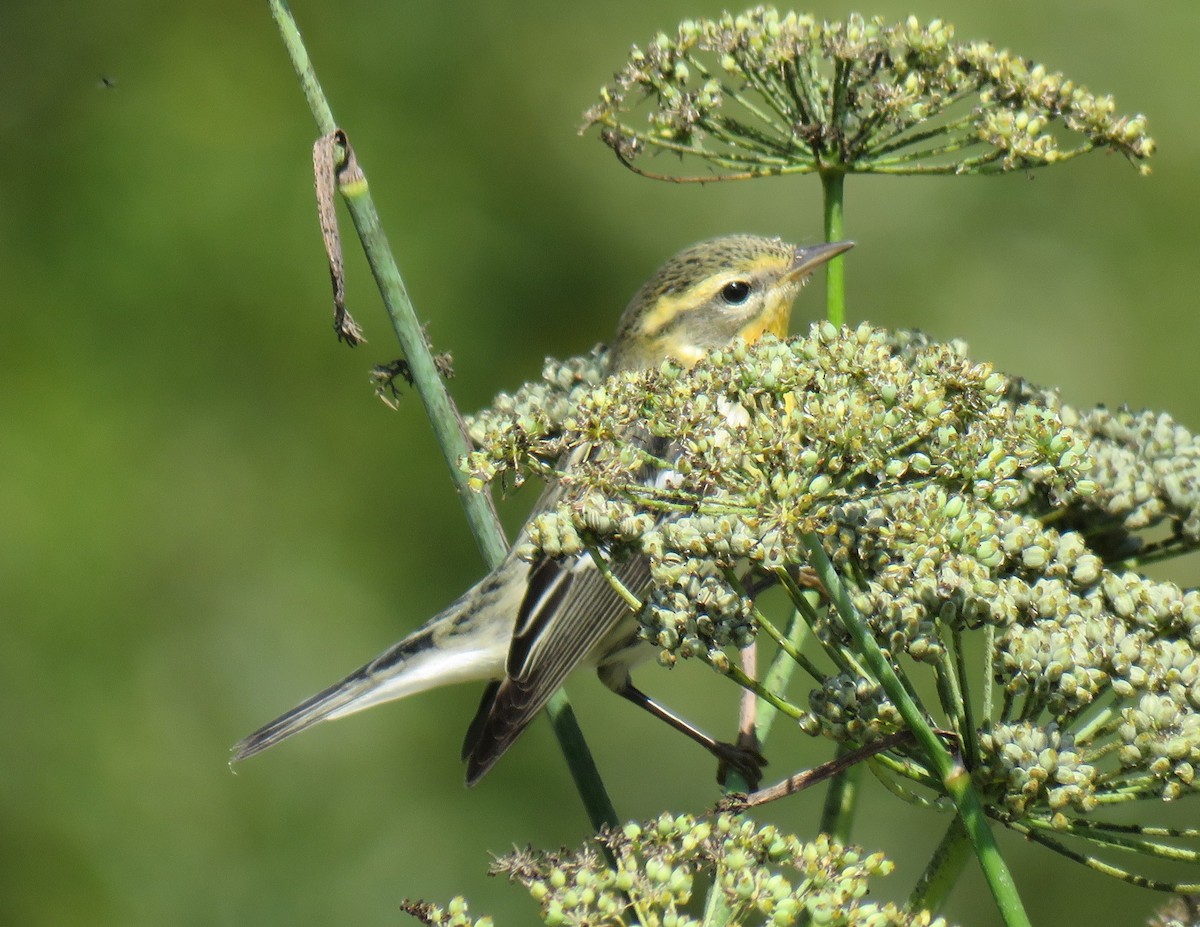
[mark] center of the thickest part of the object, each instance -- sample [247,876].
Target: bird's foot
[743,759]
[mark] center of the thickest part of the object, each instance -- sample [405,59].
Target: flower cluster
[1149,467]
[766,877]
[951,500]
[733,460]
[1034,764]
[455,914]
[769,93]
[1179,912]
[535,411]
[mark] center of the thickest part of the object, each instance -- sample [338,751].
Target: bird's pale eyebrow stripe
[665,310]
[668,308]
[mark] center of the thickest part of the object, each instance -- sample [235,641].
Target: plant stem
[599,806]
[439,407]
[945,866]
[953,777]
[841,799]
[716,908]
[780,673]
[290,33]
[443,415]
[832,188]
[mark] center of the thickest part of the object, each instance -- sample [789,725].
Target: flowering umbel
[763,92]
[661,870]
[955,504]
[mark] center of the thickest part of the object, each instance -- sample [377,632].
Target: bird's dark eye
[735,292]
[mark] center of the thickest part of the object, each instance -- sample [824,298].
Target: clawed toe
[742,758]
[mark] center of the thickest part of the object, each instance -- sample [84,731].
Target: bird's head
[715,291]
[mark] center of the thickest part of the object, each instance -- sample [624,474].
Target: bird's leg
[745,758]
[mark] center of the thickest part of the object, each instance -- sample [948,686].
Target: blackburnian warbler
[525,626]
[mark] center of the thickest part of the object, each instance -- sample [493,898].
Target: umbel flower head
[764,93]
[662,868]
[954,502]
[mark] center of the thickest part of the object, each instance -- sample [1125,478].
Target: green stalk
[443,415]
[832,189]
[780,673]
[596,803]
[969,729]
[841,798]
[777,702]
[953,777]
[945,866]
[841,795]
[716,907]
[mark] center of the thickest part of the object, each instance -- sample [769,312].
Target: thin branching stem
[954,778]
[1117,841]
[1180,888]
[943,869]
[439,407]
[969,731]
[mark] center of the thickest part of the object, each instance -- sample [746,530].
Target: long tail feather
[466,642]
[338,698]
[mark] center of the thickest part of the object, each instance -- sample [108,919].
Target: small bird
[525,626]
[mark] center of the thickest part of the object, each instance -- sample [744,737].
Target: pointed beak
[808,258]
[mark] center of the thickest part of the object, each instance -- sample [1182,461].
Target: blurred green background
[207,516]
